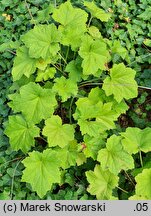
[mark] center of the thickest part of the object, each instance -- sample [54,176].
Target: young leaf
[102,113]
[42,41]
[46,74]
[58,134]
[68,155]
[136,140]
[143,184]
[120,83]
[23,64]
[93,145]
[41,170]
[114,157]
[74,69]
[65,88]
[94,54]
[21,133]
[101,182]
[35,102]
[73,24]
[97,12]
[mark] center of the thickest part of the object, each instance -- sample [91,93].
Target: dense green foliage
[67,97]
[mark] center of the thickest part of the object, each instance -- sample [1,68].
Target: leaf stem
[70,110]
[86,84]
[122,189]
[90,21]
[12,186]
[32,18]
[62,58]
[129,177]
[141,160]
[55,3]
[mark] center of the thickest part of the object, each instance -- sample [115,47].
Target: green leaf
[34,102]
[23,64]
[94,32]
[136,140]
[41,171]
[65,88]
[44,15]
[114,157]
[143,184]
[97,12]
[73,24]
[101,182]
[21,133]
[94,54]
[42,41]
[68,155]
[74,69]
[98,118]
[93,145]
[120,83]
[137,197]
[58,134]
[117,48]
[5,195]
[147,42]
[46,74]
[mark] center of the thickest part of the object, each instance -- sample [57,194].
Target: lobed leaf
[42,41]
[58,134]
[120,83]
[21,133]
[23,64]
[114,157]
[41,170]
[95,55]
[136,140]
[101,182]
[35,102]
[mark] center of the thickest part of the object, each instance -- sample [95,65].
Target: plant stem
[12,187]
[143,87]
[140,156]
[30,12]
[62,57]
[87,84]
[129,178]
[122,189]
[70,110]
[90,21]
[55,3]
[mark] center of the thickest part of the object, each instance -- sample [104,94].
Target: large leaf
[101,182]
[73,23]
[34,102]
[42,170]
[23,64]
[42,41]
[21,133]
[58,134]
[143,184]
[114,157]
[65,88]
[120,83]
[94,54]
[97,12]
[136,140]
[93,116]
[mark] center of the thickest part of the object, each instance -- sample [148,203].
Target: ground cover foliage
[75,99]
